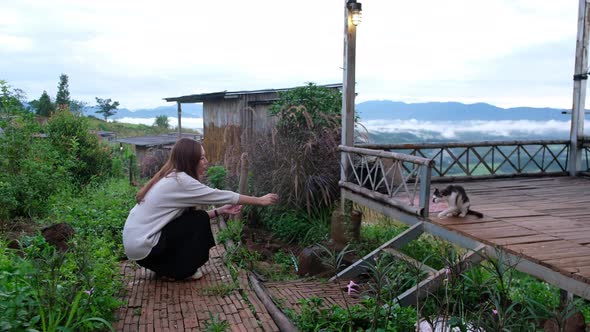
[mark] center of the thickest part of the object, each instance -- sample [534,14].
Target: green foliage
[297,226]
[241,256]
[221,289]
[315,316]
[232,232]
[216,177]
[162,122]
[17,306]
[375,234]
[97,212]
[10,101]
[44,106]
[282,267]
[106,107]
[429,250]
[76,106]
[310,106]
[48,290]
[70,135]
[215,324]
[62,99]
[31,169]
[297,160]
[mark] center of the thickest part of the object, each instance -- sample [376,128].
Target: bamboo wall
[228,123]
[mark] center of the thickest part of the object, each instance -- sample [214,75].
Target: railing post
[425,174]
[179,109]
[580,81]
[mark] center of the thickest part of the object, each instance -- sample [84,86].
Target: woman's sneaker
[198,275]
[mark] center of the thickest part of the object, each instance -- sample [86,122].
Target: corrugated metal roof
[199,98]
[155,140]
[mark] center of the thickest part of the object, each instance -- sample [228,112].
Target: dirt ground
[11,231]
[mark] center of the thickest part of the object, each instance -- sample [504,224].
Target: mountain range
[453,111]
[388,110]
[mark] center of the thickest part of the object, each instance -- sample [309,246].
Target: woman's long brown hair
[185,157]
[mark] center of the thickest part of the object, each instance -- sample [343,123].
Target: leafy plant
[314,315]
[223,289]
[215,324]
[296,226]
[233,232]
[216,176]
[297,159]
[11,101]
[87,158]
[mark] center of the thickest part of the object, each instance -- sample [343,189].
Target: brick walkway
[151,304]
[155,305]
[288,293]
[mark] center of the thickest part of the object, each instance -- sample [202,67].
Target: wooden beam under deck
[542,223]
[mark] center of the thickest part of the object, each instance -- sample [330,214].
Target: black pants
[183,246]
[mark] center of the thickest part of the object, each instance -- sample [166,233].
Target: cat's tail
[475,213]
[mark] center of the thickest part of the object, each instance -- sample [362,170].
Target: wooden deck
[544,220]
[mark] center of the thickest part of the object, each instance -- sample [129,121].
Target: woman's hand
[268,199]
[230,209]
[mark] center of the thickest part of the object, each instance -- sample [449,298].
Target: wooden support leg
[428,285]
[399,241]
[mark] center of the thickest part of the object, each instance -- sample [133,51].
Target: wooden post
[243,173]
[580,80]
[131,169]
[425,174]
[179,122]
[348,93]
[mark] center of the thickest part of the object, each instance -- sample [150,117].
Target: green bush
[216,177]
[296,226]
[31,170]
[17,305]
[71,137]
[99,211]
[297,161]
[315,316]
[49,291]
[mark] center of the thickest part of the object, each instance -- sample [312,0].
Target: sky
[507,53]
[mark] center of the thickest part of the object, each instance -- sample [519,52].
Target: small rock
[573,324]
[310,262]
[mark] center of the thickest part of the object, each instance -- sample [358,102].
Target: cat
[458,202]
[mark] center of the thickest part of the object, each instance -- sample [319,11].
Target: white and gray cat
[458,202]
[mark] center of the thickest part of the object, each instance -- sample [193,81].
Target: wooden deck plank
[536,238]
[546,220]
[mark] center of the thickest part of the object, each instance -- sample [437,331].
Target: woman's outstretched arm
[265,200]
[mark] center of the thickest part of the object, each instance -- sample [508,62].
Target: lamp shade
[355,9]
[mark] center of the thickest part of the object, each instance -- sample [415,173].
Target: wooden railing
[489,159]
[586,156]
[389,178]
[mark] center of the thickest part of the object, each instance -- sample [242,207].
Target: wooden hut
[230,118]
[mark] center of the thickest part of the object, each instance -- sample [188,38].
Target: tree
[43,106]
[77,106]
[62,100]
[106,107]
[10,99]
[162,122]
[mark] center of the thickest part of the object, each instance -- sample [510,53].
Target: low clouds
[192,123]
[459,129]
